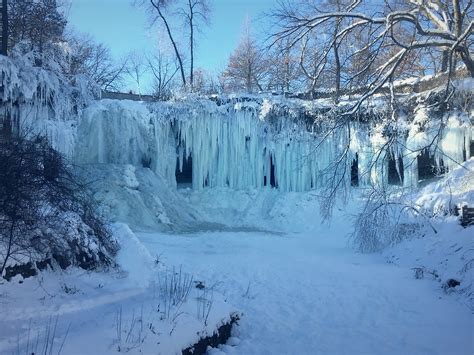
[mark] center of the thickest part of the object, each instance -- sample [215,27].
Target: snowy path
[308,294]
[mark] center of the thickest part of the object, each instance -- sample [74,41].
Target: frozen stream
[308,293]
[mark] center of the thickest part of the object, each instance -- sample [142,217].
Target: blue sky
[125,28]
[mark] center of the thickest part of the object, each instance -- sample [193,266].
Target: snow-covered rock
[455,190]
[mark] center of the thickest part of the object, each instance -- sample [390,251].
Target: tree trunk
[287,70]
[457,18]
[170,36]
[4,27]
[337,60]
[9,248]
[191,44]
[338,72]
[466,58]
[445,61]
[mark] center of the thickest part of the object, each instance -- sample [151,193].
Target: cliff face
[243,142]
[259,143]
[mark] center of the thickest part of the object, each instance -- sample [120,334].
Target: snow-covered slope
[456,189]
[447,252]
[139,197]
[142,307]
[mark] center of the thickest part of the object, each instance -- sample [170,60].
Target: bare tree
[36,22]
[394,31]
[160,6]
[135,68]
[284,73]
[163,70]
[205,83]
[194,13]
[369,46]
[95,61]
[247,65]
[197,11]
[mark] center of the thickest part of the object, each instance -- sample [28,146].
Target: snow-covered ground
[307,292]
[299,285]
[127,310]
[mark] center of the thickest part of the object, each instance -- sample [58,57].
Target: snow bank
[133,257]
[265,210]
[456,189]
[105,313]
[447,253]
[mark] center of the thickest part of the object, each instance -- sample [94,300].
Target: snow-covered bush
[385,220]
[391,215]
[43,99]
[46,215]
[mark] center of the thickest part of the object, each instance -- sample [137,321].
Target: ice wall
[448,142]
[247,145]
[234,145]
[235,142]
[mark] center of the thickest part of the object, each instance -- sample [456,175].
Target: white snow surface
[133,257]
[123,310]
[300,287]
[457,189]
[306,292]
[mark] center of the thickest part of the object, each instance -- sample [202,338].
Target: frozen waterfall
[246,142]
[239,145]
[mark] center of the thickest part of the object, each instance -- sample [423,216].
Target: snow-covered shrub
[385,220]
[38,93]
[46,215]
[389,217]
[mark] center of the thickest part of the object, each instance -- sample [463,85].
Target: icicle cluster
[238,143]
[448,142]
[41,101]
[247,146]
[230,146]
